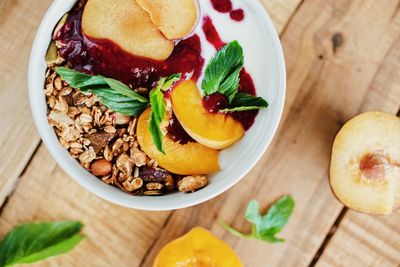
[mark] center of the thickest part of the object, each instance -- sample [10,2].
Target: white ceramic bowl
[263,59]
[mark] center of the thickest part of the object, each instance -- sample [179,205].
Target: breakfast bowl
[245,23]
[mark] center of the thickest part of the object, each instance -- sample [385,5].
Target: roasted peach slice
[214,130]
[129,26]
[174,18]
[184,159]
[199,248]
[365,163]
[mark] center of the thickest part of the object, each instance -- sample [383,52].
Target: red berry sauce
[215,102]
[104,57]
[225,6]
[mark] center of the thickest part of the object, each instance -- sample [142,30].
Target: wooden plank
[333,59]
[281,11]
[18,138]
[116,236]
[364,241]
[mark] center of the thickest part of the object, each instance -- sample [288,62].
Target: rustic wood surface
[342,56]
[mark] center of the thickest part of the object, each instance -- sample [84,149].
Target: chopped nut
[88,156]
[99,140]
[135,184]
[152,193]
[132,127]
[138,157]
[192,183]
[125,164]
[110,129]
[117,145]
[107,153]
[154,186]
[121,119]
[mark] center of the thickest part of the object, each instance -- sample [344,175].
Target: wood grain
[18,137]
[364,241]
[329,82]
[340,56]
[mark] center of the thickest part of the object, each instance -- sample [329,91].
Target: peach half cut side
[214,130]
[198,247]
[365,163]
[184,159]
[174,18]
[126,24]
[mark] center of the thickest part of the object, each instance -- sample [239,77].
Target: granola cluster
[104,142]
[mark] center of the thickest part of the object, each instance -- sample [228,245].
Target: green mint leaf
[30,243]
[78,79]
[158,111]
[222,72]
[112,93]
[124,90]
[265,227]
[277,217]
[243,102]
[170,81]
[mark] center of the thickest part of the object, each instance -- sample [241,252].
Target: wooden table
[343,57]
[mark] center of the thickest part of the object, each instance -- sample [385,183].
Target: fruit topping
[174,18]
[129,26]
[214,130]
[198,247]
[365,169]
[184,159]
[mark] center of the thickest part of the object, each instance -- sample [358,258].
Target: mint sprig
[222,72]
[112,93]
[30,243]
[265,227]
[222,76]
[158,111]
[244,102]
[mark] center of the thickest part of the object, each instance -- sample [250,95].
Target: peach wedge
[174,18]
[184,159]
[214,130]
[198,247]
[126,24]
[365,163]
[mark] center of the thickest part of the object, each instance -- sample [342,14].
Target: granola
[104,142]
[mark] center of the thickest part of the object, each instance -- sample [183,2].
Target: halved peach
[184,159]
[365,163]
[174,18]
[214,130]
[199,248]
[125,23]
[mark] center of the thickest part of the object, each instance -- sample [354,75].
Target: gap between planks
[10,194]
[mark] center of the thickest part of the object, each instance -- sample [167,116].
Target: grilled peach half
[214,130]
[365,163]
[185,159]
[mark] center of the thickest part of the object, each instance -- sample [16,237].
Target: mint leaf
[157,104]
[243,102]
[222,72]
[265,227]
[30,243]
[112,93]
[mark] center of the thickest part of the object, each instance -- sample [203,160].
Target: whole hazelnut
[101,167]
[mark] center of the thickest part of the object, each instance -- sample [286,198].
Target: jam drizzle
[225,6]
[104,57]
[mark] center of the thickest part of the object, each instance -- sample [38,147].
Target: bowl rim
[45,134]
